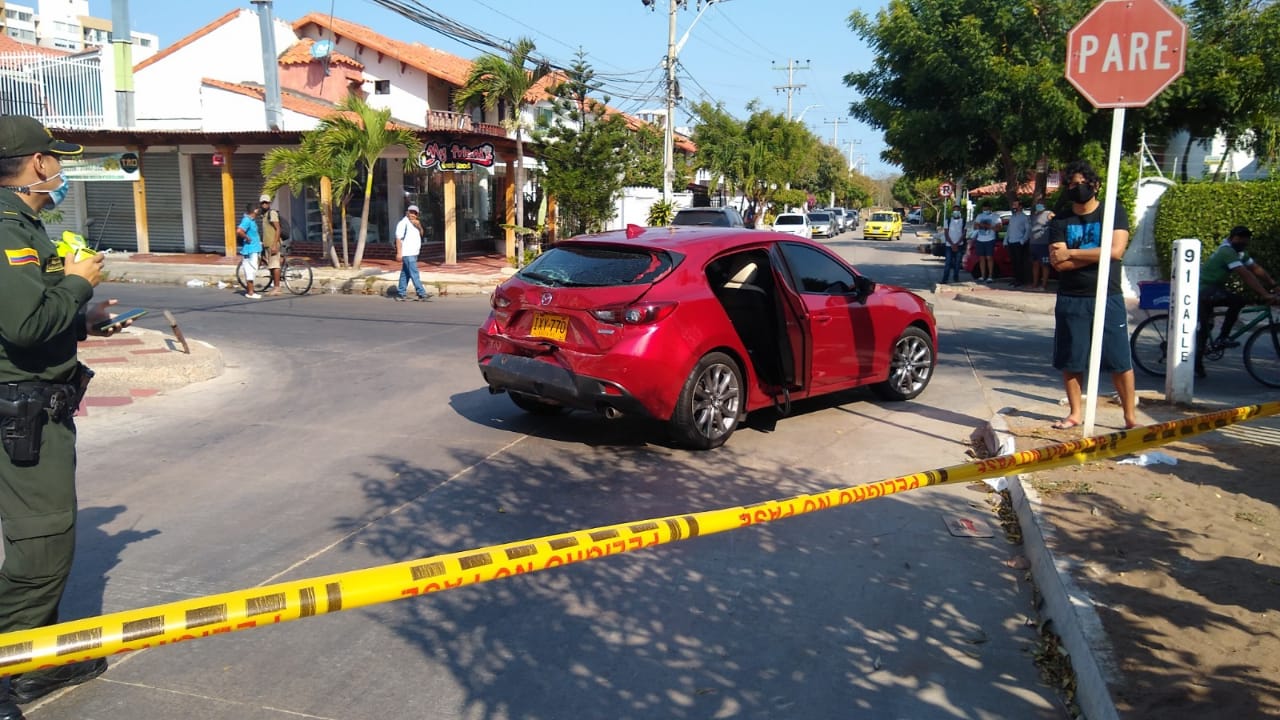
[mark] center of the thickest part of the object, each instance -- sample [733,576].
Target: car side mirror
[864,286]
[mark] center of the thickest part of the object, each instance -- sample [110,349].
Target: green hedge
[1208,211]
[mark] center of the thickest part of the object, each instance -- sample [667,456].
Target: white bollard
[1184,297]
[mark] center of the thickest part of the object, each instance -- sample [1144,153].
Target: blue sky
[733,53]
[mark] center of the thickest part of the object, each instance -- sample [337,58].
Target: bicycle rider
[1229,259]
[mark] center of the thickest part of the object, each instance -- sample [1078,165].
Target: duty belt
[60,400]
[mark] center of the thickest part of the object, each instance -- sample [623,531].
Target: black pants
[1019,258]
[1210,300]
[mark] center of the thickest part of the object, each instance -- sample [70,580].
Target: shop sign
[455,157]
[120,167]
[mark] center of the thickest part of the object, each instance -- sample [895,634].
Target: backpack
[284,227]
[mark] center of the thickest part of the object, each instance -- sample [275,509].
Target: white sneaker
[253,296]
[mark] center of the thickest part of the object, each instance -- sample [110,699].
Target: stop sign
[1124,52]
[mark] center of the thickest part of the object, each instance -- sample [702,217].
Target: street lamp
[806,109]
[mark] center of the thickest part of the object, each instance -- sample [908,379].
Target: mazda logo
[546,298]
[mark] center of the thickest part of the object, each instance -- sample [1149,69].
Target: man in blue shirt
[248,233]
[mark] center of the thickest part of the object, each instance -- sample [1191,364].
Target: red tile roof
[188,39]
[291,100]
[299,53]
[438,63]
[8,45]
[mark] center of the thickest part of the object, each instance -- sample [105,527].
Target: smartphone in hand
[122,318]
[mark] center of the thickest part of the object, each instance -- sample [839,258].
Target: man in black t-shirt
[1075,248]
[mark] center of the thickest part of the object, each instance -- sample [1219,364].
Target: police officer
[44,312]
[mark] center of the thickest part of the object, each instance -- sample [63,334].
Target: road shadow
[98,551]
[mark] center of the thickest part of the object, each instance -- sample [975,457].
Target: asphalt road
[350,432]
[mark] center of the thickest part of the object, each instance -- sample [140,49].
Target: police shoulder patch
[22,256]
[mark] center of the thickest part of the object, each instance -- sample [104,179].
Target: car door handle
[823,318]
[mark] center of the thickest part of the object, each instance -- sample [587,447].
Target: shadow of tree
[807,618]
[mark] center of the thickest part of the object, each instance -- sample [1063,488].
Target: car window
[883,217]
[718,218]
[815,272]
[594,266]
[788,220]
[819,217]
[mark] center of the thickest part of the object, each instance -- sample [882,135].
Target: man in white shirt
[408,245]
[984,242]
[1015,239]
[954,246]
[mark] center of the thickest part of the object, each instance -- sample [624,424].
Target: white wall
[231,111]
[409,89]
[632,206]
[168,93]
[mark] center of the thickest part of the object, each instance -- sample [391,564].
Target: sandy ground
[1182,563]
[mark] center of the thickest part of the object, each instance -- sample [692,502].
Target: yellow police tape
[131,630]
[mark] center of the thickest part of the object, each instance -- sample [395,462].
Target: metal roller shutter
[246,172]
[164,201]
[110,207]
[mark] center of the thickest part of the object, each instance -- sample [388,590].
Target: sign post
[1121,55]
[1184,303]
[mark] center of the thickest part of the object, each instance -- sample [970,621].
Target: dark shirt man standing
[43,315]
[1075,250]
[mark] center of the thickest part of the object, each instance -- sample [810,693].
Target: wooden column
[229,217]
[509,200]
[140,200]
[450,219]
[552,219]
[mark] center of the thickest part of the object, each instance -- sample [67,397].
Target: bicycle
[295,273]
[1149,343]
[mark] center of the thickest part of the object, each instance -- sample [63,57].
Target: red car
[696,327]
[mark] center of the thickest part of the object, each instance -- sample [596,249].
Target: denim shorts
[985,249]
[1073,334]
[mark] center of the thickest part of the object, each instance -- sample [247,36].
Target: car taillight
[641,314]
[498,302]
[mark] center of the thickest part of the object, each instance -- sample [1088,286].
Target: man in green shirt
[1229,260]
[44,313]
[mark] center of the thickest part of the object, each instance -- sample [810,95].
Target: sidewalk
[472,276]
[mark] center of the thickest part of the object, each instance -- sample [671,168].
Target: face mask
[1081,194]
[56,195]
[955,215]
[1039,207]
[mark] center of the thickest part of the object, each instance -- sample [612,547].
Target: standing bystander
[1075,249]
[984,242]
[953,237]
[1038,236]
[408,245]
[44,313]
[250,248]
[1015,241]
[271,240]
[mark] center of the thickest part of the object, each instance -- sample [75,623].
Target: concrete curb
[138,361]
[1068,608]
[327,281]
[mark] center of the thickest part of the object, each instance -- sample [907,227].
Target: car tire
[711,405]
[911,365]
[534,406]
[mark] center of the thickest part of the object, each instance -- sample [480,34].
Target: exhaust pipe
[610,412]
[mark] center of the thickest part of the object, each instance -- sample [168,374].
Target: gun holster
[26,407]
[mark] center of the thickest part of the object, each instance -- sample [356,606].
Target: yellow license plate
[554,327]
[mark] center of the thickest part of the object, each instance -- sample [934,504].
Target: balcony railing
[445,121]
[61,92]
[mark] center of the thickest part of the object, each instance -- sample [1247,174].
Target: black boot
[33,685]
[9,710]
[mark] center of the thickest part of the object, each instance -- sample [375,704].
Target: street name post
[1184,297]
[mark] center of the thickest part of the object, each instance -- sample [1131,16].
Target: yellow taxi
[883,224]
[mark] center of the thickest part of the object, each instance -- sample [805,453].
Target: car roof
[696,242]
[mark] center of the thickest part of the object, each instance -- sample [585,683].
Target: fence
[61,92]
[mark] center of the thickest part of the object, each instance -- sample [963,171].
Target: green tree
[585,151]
[494,79]
[365,133]
[961,85]
[308,166]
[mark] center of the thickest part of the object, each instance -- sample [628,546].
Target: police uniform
[42,317]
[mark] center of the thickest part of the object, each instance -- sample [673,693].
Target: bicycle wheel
[1262,354]
[1149,344]
[296,275]
[261,281]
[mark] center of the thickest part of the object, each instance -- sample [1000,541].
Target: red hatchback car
[696,327]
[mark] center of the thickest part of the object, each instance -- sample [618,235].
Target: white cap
[265,198]
[413,208]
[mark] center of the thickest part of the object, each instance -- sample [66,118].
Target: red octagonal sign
[1124,52]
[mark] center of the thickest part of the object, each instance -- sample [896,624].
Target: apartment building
[67,25]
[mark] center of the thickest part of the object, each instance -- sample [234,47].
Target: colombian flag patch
[22,256]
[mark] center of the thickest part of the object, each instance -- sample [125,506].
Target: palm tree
[307,166]
[495,79]
[364,133]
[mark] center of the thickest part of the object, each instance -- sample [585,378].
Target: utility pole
[122,55]
[668,135]
[849,144]
[791,87]
[835,131]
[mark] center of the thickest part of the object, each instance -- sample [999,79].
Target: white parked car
[915,216]
[793,224]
